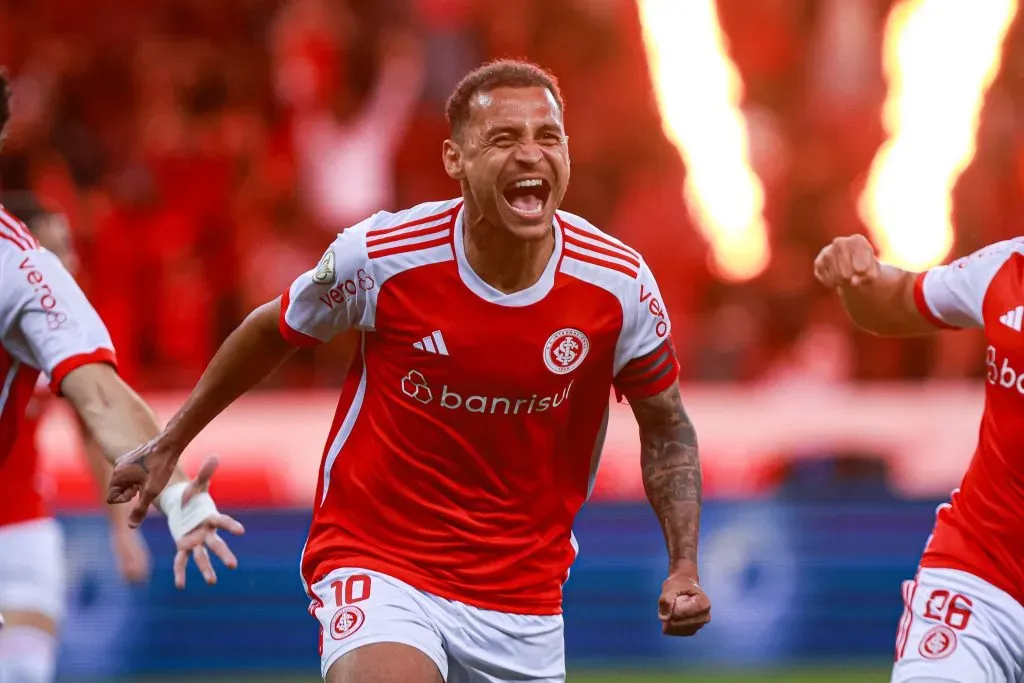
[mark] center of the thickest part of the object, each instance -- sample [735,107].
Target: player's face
[54,235]
[514,157]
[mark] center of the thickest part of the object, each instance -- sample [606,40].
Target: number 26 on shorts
[952,609]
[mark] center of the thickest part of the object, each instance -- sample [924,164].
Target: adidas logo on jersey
[432,343]
[1012,318]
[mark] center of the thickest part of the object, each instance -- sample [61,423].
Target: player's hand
[144,471]
[848,261]
[131,553]
[202,539]
[683,608]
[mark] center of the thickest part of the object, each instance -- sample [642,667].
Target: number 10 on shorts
[952,609]
[349,618]
[350,590]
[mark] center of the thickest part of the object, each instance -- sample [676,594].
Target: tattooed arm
[670,465]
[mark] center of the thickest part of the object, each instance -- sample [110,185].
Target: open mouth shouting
[527,197]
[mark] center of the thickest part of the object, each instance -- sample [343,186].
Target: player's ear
[451,156]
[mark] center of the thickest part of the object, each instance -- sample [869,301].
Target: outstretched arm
[890,301]
[671,470]
[119,420]
[129,546]
[249,354]
[112,414]
[878,297]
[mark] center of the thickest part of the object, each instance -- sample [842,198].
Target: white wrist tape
[184,518]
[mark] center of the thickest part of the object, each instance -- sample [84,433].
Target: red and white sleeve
[333,296]
[46,316]
[952,296]
[645,358]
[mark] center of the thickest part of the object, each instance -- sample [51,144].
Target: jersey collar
[523,297]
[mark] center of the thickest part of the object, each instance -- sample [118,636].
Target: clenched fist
[847,261]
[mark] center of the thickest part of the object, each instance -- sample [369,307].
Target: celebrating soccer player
[47,326]
[963,620]
[468,432]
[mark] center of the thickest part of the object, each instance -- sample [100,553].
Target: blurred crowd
[207,152]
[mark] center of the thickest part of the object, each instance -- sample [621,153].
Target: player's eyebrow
[506,129]
[549,127]
[502,129]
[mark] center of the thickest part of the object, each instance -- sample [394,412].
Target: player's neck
[503,261]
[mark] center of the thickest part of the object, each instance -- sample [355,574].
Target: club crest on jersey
[324,273]
[346,621]
[565,350]
[938,642]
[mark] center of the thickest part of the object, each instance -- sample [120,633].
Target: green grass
[802,675]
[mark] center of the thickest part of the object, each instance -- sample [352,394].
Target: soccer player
[47,326]
[467,436]
[31,543]
[963,618]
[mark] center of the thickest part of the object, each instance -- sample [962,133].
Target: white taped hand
[184,518]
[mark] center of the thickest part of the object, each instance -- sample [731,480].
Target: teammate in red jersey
[47,326]
[470,424]
[964,619]
[32,567]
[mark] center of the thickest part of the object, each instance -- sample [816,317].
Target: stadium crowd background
[206,152]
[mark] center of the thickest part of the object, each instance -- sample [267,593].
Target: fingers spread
[219,548]
[202,560]
[201,483]
[180,565]
[206,471]
[227,523]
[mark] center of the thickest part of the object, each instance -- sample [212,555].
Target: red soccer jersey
[981,529]
[46,325]
[470,424]
[21,484]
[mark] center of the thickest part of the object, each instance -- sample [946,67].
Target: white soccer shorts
[356,607]
[958,628]
[32,568]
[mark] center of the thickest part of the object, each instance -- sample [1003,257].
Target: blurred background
[206,152]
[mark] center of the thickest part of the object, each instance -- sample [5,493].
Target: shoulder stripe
[19,245]
[583,253]
[430,241]
[570,239]
[18,228]
[413,232]
[8,235]
[570,254]
[434,219]
[600,238]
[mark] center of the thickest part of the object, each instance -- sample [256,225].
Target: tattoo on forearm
[671,470]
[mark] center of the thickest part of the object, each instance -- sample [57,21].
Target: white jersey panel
[338,293]
[955,292]
[45,318]
[341,292]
